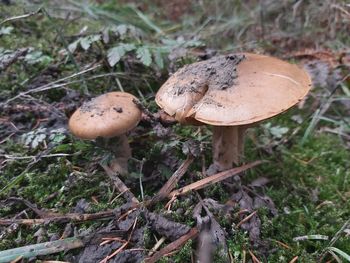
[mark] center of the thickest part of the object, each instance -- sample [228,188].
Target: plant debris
[165,227]
[8,59]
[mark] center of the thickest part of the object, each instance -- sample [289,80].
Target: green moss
[309,183]
[184,255]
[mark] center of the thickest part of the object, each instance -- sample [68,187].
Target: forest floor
[293,207]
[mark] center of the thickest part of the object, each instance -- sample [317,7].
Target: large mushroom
[107,118]
[232,93]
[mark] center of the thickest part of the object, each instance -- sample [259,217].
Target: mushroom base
[120,147]
[228,142]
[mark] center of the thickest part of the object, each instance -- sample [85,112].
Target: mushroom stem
[122,152]
[120,147]
[228,144]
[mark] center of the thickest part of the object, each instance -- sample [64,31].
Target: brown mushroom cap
[233,90]
[108,115]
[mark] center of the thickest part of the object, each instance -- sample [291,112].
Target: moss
[309,183]
[184,255]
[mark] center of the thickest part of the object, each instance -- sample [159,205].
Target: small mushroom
[107,118]
[232,93]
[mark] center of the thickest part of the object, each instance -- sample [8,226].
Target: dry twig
[122,188]
[245,219]
[122,247]
[213,179]
[173,246]
[254,258]
[173,180]
[75,217]
[20,17]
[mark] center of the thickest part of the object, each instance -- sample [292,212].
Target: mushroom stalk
[228,144]
[120,147]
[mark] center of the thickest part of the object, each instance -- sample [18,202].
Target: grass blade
[340,253]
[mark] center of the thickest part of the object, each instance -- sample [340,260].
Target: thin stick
[245,219]
[106,240]
[156,246]
[122,247]
[20,17]
[51,84]
[75,217]
[122,188]
[254,258]
[213,179]
[173,246]
[173,180]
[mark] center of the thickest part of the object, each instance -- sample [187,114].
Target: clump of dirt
[216,73]
[91,106]
[118,109]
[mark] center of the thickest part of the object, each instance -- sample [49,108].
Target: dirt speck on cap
[118,109]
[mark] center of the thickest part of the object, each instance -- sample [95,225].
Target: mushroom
[107,118]
[232,93]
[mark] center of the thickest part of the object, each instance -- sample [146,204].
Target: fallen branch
[213,179]
[72,217]
[173,180]
[173,246]
[40,249]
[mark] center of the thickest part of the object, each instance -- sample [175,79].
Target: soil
[218,72]
[90,106]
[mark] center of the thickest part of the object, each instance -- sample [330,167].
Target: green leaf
[35,57]
[278,131]
[121,30]
[6,30]
[116,53]
[62,148]
[34,138]
[73,46]
[144,55]
[340,253]
[86,42]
